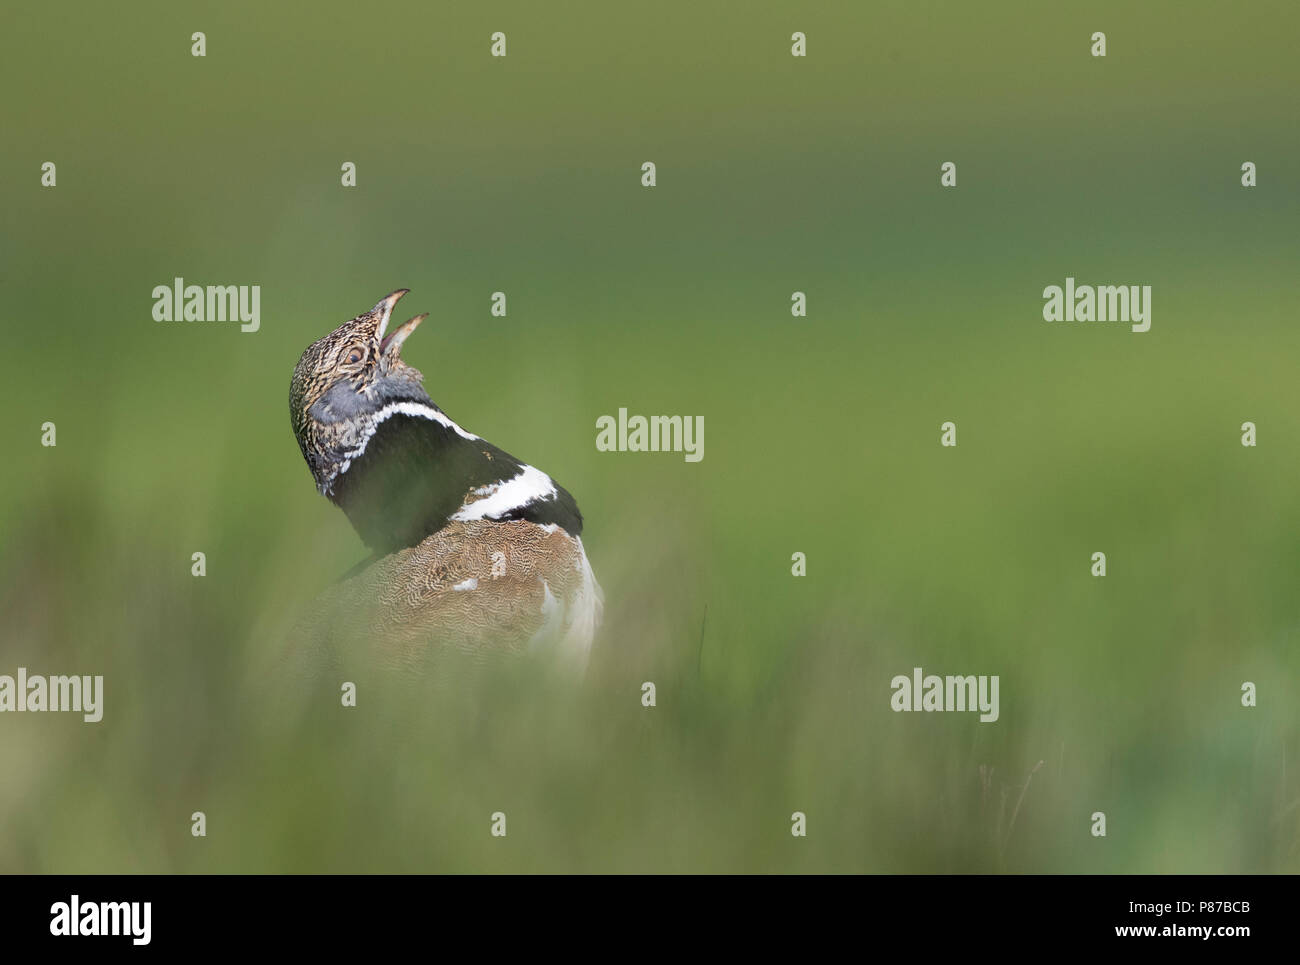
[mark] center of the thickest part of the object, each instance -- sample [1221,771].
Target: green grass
[822,436]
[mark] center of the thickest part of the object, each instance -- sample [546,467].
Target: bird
[471,549]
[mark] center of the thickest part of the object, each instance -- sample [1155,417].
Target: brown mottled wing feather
[404,609]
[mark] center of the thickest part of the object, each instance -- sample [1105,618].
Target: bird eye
[355,355]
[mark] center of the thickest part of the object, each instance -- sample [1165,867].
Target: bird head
[344,381]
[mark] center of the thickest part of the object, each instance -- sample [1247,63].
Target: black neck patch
[415,475]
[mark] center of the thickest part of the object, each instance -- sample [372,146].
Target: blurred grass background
[775,174]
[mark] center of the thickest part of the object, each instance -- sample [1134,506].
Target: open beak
[385,310]
[391,344]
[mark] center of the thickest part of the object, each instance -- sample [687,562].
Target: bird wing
[479,587]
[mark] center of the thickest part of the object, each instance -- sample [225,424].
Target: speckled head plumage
[344,380]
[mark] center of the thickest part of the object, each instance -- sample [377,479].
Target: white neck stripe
[418,409]
[529,486]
